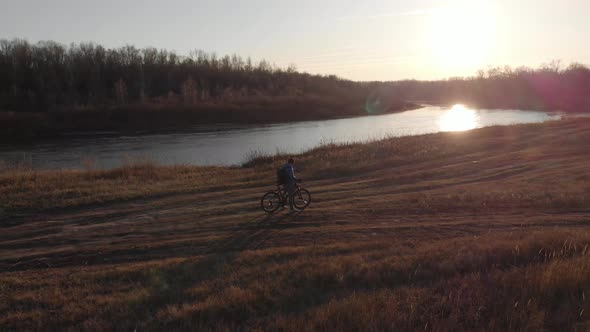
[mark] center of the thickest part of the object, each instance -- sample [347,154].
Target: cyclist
[289,181]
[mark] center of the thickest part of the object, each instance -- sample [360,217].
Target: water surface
[232,145]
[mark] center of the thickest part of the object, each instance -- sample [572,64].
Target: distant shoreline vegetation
[48,88]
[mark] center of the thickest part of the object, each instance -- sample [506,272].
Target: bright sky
[359,40]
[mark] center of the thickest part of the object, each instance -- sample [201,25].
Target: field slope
[480,230]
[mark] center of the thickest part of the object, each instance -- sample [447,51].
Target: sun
[462,36]
[458,118]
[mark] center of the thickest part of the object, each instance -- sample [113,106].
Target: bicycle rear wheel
[301,199]
[270,202]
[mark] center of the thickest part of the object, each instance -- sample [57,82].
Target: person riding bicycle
[286,189]
[289,180]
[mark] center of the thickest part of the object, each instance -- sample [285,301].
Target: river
[231,145]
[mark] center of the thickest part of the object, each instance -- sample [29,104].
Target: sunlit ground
[458,118]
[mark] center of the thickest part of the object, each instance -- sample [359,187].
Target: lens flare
[373,104]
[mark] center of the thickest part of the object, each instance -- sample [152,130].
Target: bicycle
[273,200]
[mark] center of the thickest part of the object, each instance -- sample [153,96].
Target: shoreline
[137,119]
[80,150]
[21,134]
[125,147]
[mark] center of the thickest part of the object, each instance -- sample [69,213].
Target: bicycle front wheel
[270,202]
[301,199]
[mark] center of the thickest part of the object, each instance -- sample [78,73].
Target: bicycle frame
[282,191]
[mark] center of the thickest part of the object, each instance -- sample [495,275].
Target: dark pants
[290,188]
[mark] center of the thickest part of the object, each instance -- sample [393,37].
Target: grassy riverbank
[486,229]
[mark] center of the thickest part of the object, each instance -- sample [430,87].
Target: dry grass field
[485,230]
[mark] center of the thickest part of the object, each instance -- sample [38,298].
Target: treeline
[550,87]
[49,76]
[48,88]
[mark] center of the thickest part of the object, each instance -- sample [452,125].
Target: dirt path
[218,222]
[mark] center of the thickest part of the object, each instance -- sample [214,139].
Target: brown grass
[482,230]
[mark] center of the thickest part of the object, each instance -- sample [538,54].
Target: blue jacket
[290,172]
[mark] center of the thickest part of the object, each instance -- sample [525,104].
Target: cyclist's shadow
[275,217]
[259,230]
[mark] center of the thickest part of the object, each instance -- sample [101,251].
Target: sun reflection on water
[458,118]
